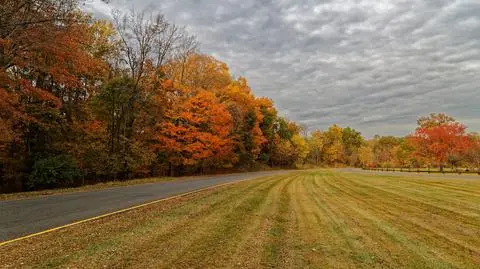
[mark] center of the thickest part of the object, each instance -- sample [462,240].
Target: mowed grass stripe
[396,243]
[322,236]
[417,223]
[426,186]
[255,241]
[215,248]
[423,188]
[455,227]
[368,246]
[309,219]
[387,211]
[253,238]
[278,246]
[401,199]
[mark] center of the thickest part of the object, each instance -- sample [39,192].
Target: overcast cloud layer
[375,65]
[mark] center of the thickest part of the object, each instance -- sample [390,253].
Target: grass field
[320,219]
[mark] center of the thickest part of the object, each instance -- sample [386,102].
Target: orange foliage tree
[197,134]
[245,110]
[46,75]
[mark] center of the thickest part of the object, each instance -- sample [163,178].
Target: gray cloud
[375,65]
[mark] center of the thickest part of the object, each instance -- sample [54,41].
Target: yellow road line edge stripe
[120,211]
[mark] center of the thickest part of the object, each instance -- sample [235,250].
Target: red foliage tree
[439,143]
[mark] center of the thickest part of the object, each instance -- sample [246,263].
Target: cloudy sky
[375,65]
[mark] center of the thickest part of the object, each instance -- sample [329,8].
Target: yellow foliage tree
[334,150]
[316,144]
[301,148]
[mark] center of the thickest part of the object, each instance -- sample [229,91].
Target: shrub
[52,172]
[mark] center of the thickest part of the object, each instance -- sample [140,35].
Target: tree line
[438,141]
[84,100]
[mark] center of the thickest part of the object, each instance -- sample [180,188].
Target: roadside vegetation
[309,219]
[97,186]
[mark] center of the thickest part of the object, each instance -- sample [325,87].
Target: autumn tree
[434,120]
[301,148]
[352,141]
[247,116]
[366,155]
[289,147]
[315,144]
[473,152]
[334,148]
[404,154]
[440,141]
[101,100]
[268,128]
[145,42]
[384,150]
[197,135]
[284,153]
[200,72]
[47,73]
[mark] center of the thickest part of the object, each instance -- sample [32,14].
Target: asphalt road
[23,217]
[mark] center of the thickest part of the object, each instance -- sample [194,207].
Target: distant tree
[384,150]
[404,153]
[316,144]
[284,154]
[366,156]
[473,152]
[352,141]
[301,148]
[334,148]
[434,119]
[438,143]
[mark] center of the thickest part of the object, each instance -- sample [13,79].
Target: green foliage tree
[352,141]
